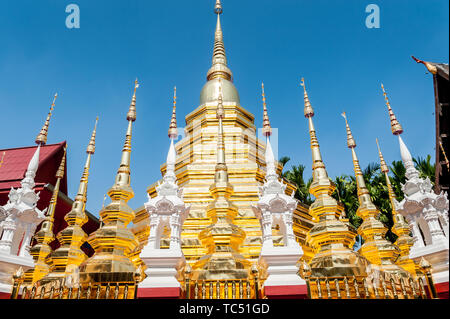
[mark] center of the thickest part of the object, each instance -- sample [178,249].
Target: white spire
[270,162]
[407,160]
[28,181]
[171,158]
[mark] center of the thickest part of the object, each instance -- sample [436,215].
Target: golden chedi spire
[222,238]
[113,242]
[219,66]
[401,227]
[41,139]
[45,236]
[396,128]
[331,239]
[66,259]
[376,248]
[267,129]
[173,131]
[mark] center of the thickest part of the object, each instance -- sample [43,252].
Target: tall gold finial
[350,140]
[221,174]
[447,163]
[123,173]
[91,147]
[396,128]
[308,110]
[131,115]
[267,129]
[173,131]
[41,139]
[219,66]
[383,166]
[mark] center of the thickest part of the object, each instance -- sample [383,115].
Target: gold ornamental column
[401,227]
[66,259]
[45,235]
[331,239]
[380,252]
[113,242]
[222,238]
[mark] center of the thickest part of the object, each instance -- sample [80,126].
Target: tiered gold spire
[173,132]
[222,238]
[331,239]
[114,242]
[41,139]
[376,248]
[219,66]
[401,227]
[396,128]
[267,129]
[45,235]
[66,259]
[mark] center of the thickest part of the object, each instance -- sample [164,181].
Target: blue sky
[167,43]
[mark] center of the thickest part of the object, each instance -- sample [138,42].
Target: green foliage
[295,176]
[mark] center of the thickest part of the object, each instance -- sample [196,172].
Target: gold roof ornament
[3,157]
[430,67]
[67,258]
[173,131]
[113,242]
[350,140]
[267,129]
[396,128]
[447,163]
[41,139]
[331,239]
[45,236]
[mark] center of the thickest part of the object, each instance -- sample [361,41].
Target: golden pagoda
[401,228]
[113,242]
[381,253]
[45,236]
[196,162]
[331,238]
[222,238]
[65,260]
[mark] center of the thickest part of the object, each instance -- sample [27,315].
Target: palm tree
[283,160]
[295,176]
[425,168]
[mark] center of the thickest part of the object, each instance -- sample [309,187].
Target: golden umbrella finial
[41,139]
[396,128]
[383,166]
[131,115]
[267,129]
[173,131]
[350,140]
[218,7]
[308,111]
[91,147]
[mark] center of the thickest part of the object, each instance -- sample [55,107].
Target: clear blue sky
[167,43]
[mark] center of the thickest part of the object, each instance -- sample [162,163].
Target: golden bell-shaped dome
[210,92]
